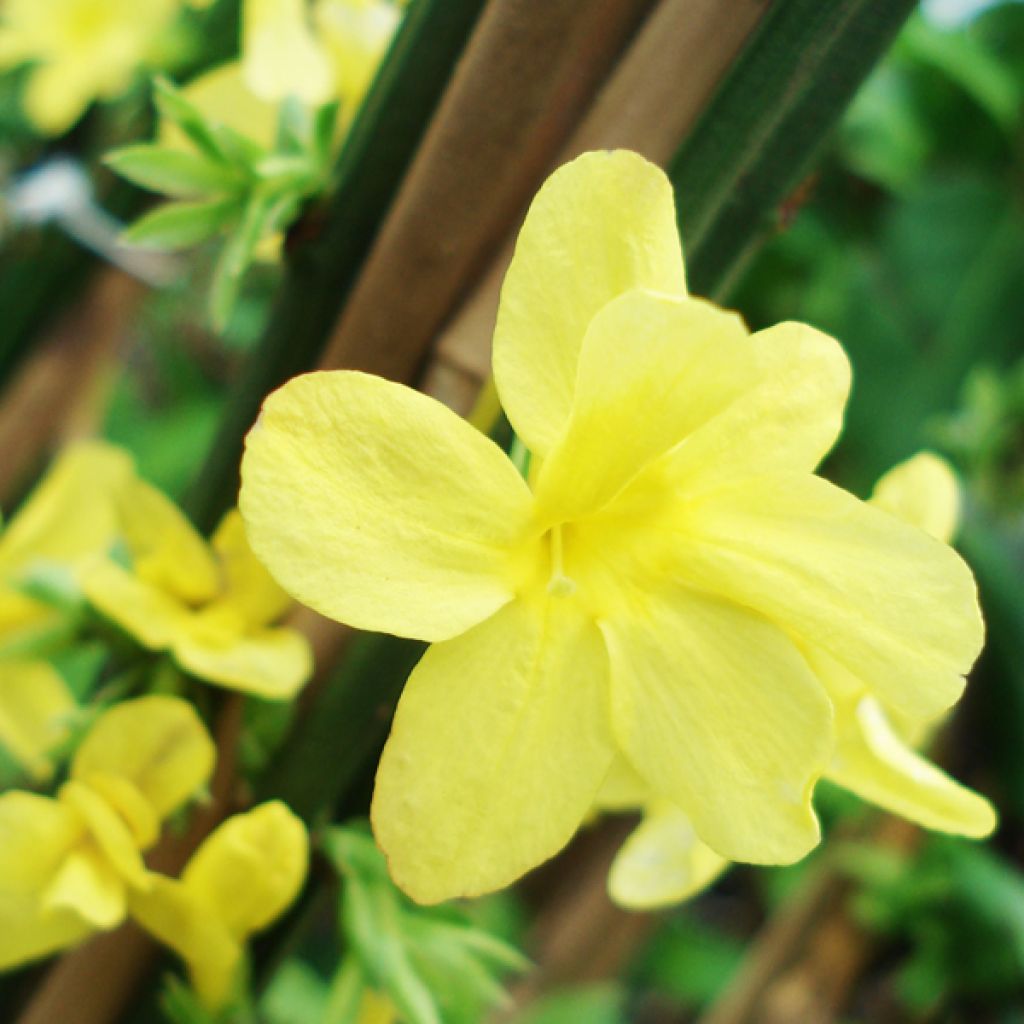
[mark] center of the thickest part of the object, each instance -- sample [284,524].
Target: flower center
[560,584]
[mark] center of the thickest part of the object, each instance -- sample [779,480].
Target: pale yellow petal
[872,761]
[784,416]
[172,914]
[250,868]
[923,492]
[246,583]
[897,608]
[355,36]
[110,837]
[72,512]
[223,96]
[498,748]
[158,743]
[622,789]
[87,884]
[37,835]
[662,862]
[58,93]
[642,386]
[377,506]
[152,616]
[280,55]
[166,549]
[270,663]
[599,226]
[719,713]
[36,709]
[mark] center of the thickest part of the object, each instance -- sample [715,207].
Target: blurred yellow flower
[664,861]
[646,597]
[69,518]
[82,50]
[327,51]
[67,864]
[242,877]
[209,606]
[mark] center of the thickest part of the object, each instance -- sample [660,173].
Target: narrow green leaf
[756,137]
[180,225]
[260,217]
[174,172]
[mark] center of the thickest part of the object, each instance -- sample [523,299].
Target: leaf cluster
[226,185]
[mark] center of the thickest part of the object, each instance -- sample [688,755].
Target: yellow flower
[210,607]
[68,864]
[356,35]
[36,713]
[328,52]
[281,56]
[83,50]
[645,597]
[69,518]
[664,862]
[243,876]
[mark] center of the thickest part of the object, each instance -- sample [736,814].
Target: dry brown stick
[528,72]
[806,960]
[50,395]
[649,104]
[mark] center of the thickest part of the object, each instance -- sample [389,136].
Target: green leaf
[755,138]
[174,172]
[181,225]
[216,140]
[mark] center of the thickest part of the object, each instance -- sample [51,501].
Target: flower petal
[921,491]
[380,508]
[896,607]
[87,884]
[662,862]
[599,226]
[250,868]
[36,707]
[156,742]
[280,55]
[720,714]
[247,584]
[167,551]
[36,836]
[270,663]
[72,512]
[150,614]
[787,388]
[498,748]
[172,914]
[872,761]
[642,385]
[112,838]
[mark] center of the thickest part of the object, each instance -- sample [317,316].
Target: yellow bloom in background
[328,51]
[647,597]
[37,711]
[83,50]
[68,864]
[663,861]
[242,877]
[210,606]
[68,519]
[356,35]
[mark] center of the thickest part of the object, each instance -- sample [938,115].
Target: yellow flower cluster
[673,597]
[317,53]
[72,865]
[93,528]
[82,50]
